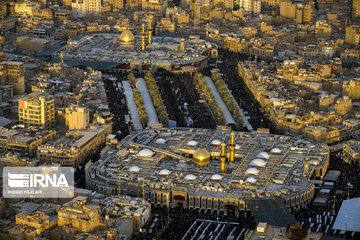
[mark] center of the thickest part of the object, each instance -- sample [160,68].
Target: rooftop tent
[276,150]
[164,172]
[160,141]
[134,169]
[145,153]
[190,177]
[216,177]
[253,171]
[215,142]
[192,143]
[251,180]
[348,218]
[257,163]
[263,155]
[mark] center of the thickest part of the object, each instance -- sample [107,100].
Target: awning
[348,218]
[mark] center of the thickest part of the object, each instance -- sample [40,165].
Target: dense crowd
[117,105]
[228,67]
[182,101]
[174,223]
[322,217]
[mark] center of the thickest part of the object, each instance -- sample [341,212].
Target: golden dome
[201,157]
[126,37]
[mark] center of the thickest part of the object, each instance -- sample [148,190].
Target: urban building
[74,147]
[252,6]
[78,215]
[192,168]
[351,152]
[32,43]
[81,8]
[355,9]
[37,109]
[13,73]
[352,35]
[27,8]
[24,141]
[343,105]
[352,89]
[76,117]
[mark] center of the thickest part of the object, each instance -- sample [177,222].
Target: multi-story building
[27,8]
[119,4]
[343,105]
[157,6]
[352,89]
[322,29]
[352,35]
[76,117]
[80,216]
[23,141]
[37,109]
[253,6]
[139,210]
[74,147]
[355,8]
[13,73]
[351,152]
[81,8]
[37,220]
[94,6]
[33,43]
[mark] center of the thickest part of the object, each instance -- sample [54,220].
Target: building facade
[13,73]
[37,109]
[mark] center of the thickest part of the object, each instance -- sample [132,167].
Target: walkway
[132,106]
[220,102]
[148,104]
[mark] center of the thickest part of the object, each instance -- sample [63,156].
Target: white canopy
[164,172]
[276,150]
[253,171]
[264,155]
[215,142]
[257,162]
[160,141]
[145,153]
[190,177]
[348,218]
[192,143]
[134,169]
[251,180]
[237,146]
[216,177]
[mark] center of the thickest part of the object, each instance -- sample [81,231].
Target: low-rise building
[24,141]
[351,152]
[80,216]
[74,147]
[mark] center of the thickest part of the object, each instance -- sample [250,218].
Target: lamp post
[346,217]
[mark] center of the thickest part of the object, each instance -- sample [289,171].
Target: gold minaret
[232,147]
[222,158]
[143,37]
[150,33]
[306,166]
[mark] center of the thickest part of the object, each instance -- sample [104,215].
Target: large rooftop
[107,47]
[265,165]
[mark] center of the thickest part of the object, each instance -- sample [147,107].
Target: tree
[132,79]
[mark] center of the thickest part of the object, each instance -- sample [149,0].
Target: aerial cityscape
[179,119]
